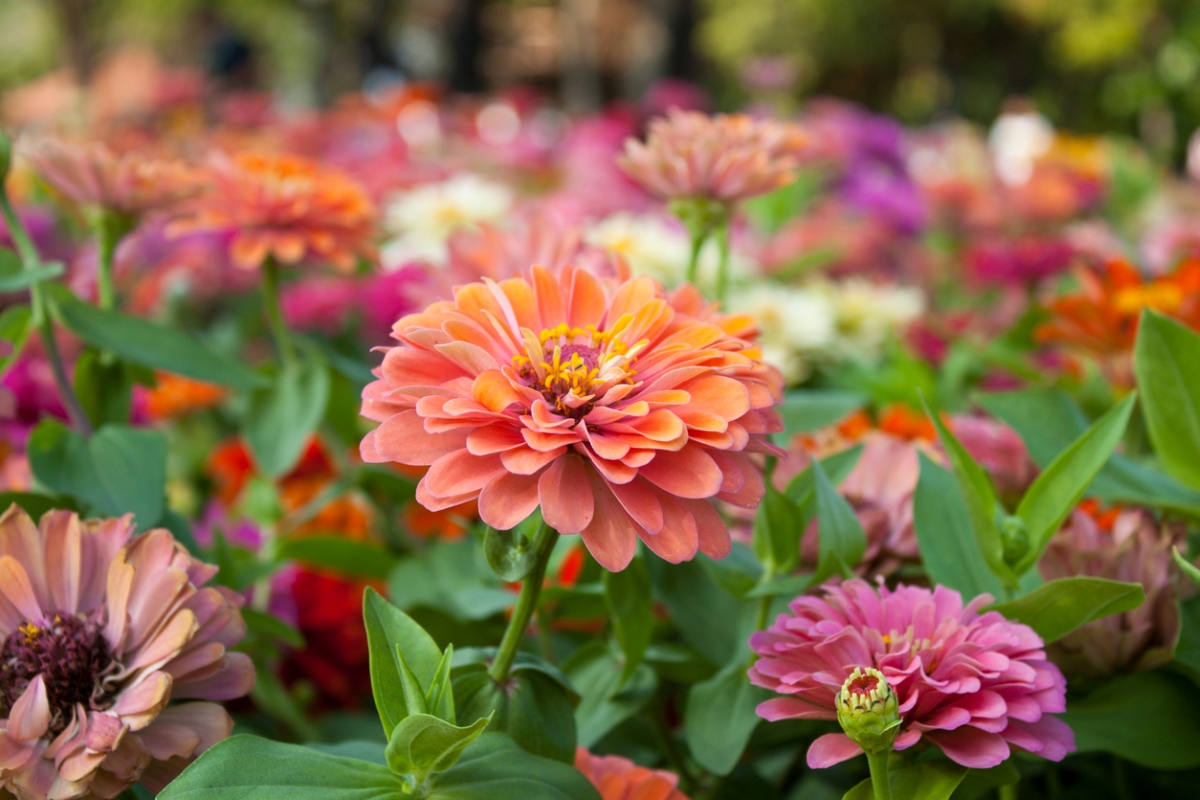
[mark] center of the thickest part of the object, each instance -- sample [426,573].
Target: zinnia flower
[286,208]
[727,158]
[175,396]
[101,631]
[619,778]
[616,409]
[976,685]
[1121,544]
[94,177]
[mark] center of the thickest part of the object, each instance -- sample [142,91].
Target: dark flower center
[863,685]
[70,654]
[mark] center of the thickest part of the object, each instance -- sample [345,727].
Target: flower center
[863,684]
[70,654]
[572,367]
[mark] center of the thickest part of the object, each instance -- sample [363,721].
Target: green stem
[527,603]
[1008,792]
[878,762]
[279,329]
[693,269]
[40,317]
[107,239]
[723,264]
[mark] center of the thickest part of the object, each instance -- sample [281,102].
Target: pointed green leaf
[534,707]
[284,415]
[1166,361]
[627,594]
[777,532]
[1187,567]
[720,716]
[439,700]
[837,467]
[1058,489]
[389,629]
[605,701]
[808,409]
[423,744]
[494,768]
[927,780]
[16,323]
[841,541]
[1061,606]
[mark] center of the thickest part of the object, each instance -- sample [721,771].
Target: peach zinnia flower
[726,158]
[619,778]
[611,407]
[287,208]
[93,176]
[101,631]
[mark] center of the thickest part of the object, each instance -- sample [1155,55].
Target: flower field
[458,449]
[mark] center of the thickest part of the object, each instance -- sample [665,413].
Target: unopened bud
[868,711]
[1014,537]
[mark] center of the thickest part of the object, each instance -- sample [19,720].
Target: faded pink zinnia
[976,685]
[617,409]
[101,632]
[727,158]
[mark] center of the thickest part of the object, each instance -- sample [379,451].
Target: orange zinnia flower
[611,407]
[176,396]
[619,778]
[92,176]
[726,158]
[286,208]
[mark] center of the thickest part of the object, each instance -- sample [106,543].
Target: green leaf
[1060,486]
[837,467]
[949,549]
[786,585]
[806,410]
[389,629]
[245,767]
[980,497]
[494,768]
[283,416]
[607,701]
[1187,567]
[1187,647]
[1048,421]
[511,554]
[925,780]
[1150,718]
[423,744]
[349,557]
[981,783]
[720,717]
[627,594]
[1061,606]
[119,470]
[449,577]
[706,616]
[142,342]
[33,504]
[531,707]
[104,388]
[777,531]
[271,627]
[841,541]
[16,323]
[1166,361]
[13,278]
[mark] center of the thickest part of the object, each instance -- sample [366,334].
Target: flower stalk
[878,762]
[279,328]
[527,603]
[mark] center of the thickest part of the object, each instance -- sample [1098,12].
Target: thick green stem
[40,317]
[723,263]
[527,603]
[693,269]
[279,328]
[878,763]
[108,236]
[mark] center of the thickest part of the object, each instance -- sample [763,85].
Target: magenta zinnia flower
[100,632]
[973,684]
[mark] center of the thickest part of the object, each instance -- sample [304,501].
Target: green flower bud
[700,215]
[1014,537]
[868,711]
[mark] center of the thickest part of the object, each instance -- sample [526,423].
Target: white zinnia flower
[421,220]
[660,247]
[796,324]
[868,314]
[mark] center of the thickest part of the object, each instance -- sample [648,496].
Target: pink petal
[688,473]
[612,536]
[971,747]
[460,473]
[29,717]
[236,680]
[63,558]
[507,499]
[138,705]
[791,708]
[830,749]
[15,585]
[566,495]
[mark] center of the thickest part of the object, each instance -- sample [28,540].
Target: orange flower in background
[615,411]
[286,208]
[93,176]
[727,158]
[175,396]
[1101,317]
[619,778]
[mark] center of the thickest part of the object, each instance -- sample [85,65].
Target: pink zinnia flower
[727,158]
[619,778]
[101,631]
[617,409]
[973,684]
[93,176]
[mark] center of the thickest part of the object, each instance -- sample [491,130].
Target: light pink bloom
[101,632]
[1125,544]
[999,450]
[727,158]
[975,685]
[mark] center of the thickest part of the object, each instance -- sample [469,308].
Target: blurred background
[1118,66]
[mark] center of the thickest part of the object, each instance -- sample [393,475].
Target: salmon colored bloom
[976,685]
[726,158]
[610,406]
[619,778]
[101,632]
[92,176]
[175,396]
[286,208]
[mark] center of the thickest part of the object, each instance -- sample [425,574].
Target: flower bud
[701,216]
[1014,537]
[867,710]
